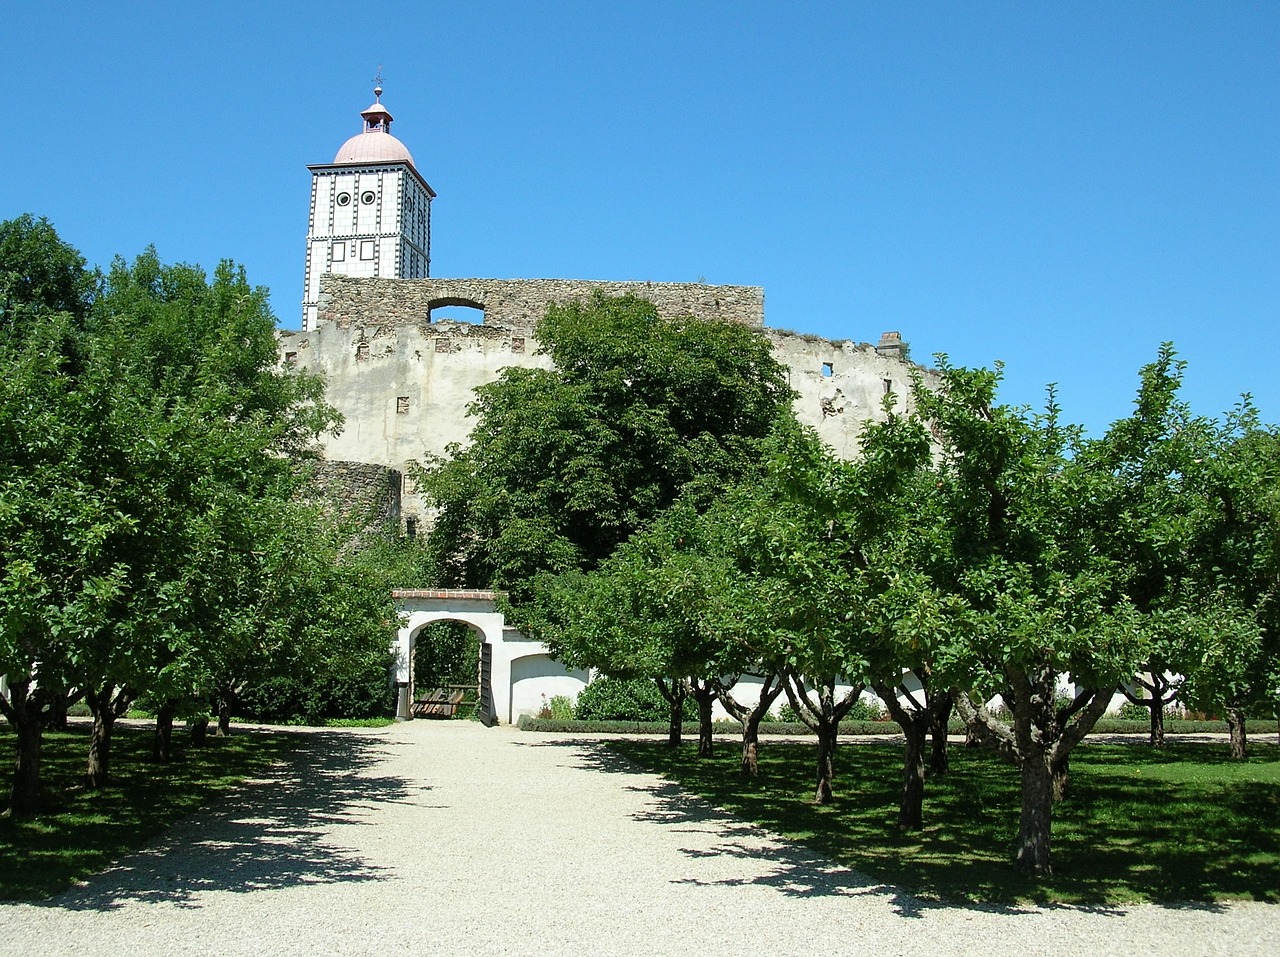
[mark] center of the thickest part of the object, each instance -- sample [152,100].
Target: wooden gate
[484,705]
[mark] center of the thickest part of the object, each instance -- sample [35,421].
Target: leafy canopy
[565,464]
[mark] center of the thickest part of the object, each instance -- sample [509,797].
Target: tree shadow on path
[793,869]
[267,835]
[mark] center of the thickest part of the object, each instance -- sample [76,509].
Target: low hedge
[1172,726]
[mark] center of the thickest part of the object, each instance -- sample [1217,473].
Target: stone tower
[370,211]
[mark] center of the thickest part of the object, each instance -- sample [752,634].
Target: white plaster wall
[536,679]
[840,403]
[403,361]
[369,367]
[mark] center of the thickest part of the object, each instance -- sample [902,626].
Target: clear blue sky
[1061,186]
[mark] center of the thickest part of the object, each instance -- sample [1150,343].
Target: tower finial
[377,85]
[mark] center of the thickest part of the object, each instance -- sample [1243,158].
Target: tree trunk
[224,716]
[911,810]
[675,724]
[1156,737]
[939,762]
[56,715]
[1037,816]
[28,726]
[675,698]
[99,768]
[1235,724]
[704,700]
[199,732]
[751,744]
[826,763]
[162,743]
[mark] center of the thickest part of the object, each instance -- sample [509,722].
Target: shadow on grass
[1186,827]
[263,834]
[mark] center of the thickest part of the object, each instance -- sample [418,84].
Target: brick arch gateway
[516,674]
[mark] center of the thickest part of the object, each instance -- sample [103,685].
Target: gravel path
[448,838]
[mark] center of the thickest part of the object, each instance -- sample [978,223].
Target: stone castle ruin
[402,372]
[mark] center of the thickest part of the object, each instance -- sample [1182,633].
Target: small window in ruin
[362,351]
[402,405]
[291,358]
[517,343]
[828,370]
[411,527]
[407,486]
[443,345]
[888,386]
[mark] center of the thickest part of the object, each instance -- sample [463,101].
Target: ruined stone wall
[517,304]
[842,384]
[363,494]
[403,383]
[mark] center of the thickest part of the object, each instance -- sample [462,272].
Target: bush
[788,714]
[1134,712]
[341,691]
[865,709]
[626,699]
[862,710]
[559,708]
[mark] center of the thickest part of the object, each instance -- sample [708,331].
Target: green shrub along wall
[619,699]
[361,689]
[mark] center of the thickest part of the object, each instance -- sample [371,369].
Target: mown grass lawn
[82,831]
[1183,824]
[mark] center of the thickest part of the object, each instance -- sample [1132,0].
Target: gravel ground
[451,838]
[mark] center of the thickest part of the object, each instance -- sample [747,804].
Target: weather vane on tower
[377,84]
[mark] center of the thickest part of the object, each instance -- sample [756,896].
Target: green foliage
[40,276]
[564,464]
[446,653]
[321,631]
[624,699]
[559,708]
[146,435]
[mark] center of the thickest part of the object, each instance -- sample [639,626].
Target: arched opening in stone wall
[456,309]
[446,657]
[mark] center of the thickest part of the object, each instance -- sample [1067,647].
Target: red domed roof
[374,146]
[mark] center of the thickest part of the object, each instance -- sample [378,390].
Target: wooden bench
[440,703]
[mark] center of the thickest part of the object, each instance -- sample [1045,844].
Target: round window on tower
[368,197]
[344,199]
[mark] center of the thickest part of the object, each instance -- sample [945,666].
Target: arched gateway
[516,674]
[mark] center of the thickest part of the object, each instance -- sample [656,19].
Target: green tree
[39,275]
[196,430]
[1231,588]
[564,465]
[1192,519]
[56,578]
[1028,594]
[146,437]
[642,614]
[52,522]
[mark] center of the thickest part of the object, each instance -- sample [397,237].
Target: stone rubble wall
[404,384]
[363,494]
[517,304]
